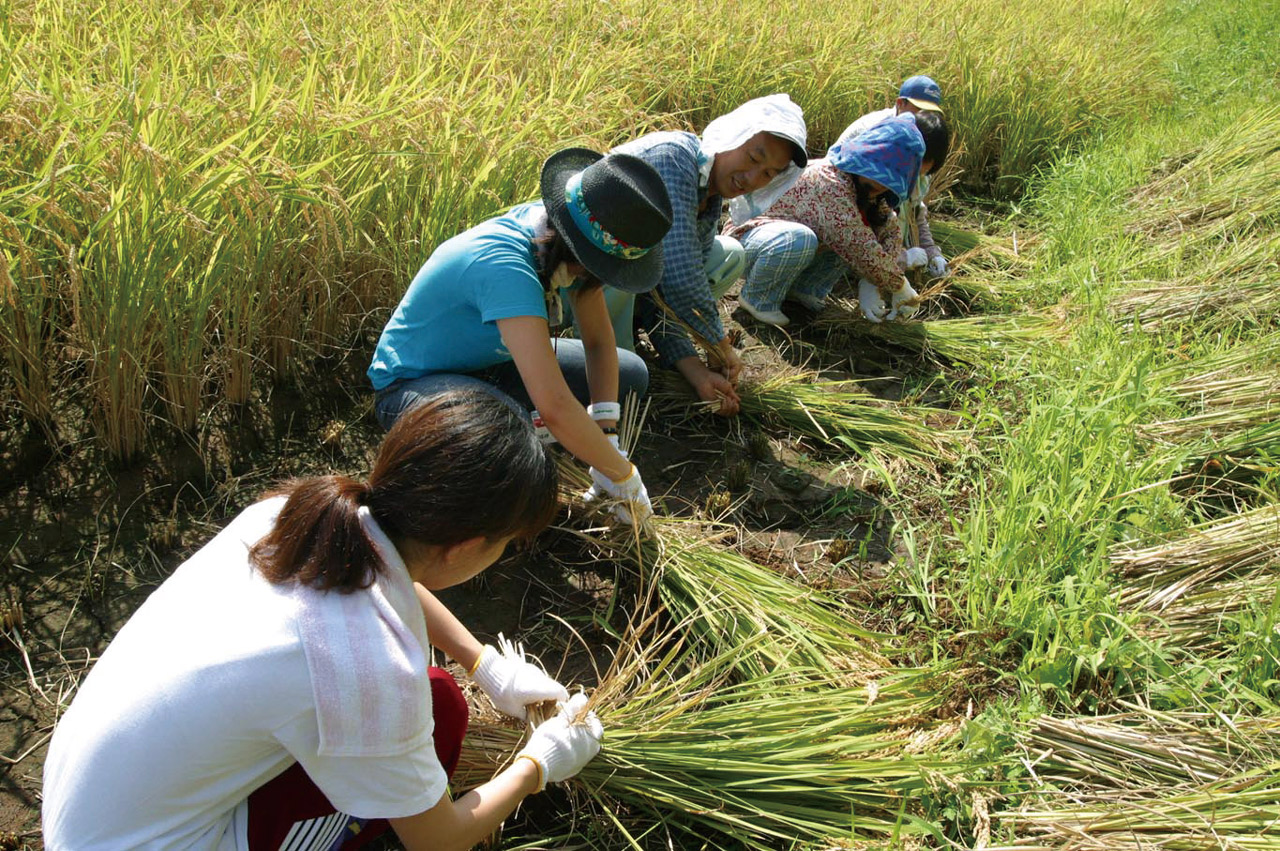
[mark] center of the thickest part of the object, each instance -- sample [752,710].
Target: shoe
[769,317]
[808,301]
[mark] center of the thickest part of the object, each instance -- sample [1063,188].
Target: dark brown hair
[877,210]
[460,466]
[937,138]
[553,249]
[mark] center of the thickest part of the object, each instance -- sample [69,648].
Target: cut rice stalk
[972,339]
[832,413]
[741,763]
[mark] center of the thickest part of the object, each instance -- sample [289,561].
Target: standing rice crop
[342,147]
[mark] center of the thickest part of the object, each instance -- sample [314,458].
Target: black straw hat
[613,211]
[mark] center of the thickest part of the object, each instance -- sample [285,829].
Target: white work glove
[869,299]
[905,302]
[511,682]
[938,266]
[562,745]
[633,500]
[913,258]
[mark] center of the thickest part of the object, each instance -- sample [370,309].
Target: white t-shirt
[204,696]
[863,124]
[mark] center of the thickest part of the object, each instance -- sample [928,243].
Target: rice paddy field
[1006,577]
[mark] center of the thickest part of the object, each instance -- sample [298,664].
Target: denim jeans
[504,384]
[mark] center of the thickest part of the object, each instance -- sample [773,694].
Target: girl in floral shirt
[839,216]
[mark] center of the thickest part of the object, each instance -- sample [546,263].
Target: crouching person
[276,690]
[837,219]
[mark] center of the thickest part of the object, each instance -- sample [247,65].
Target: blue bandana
[592,229]
[889,153]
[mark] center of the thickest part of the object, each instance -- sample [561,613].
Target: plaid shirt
[677,158]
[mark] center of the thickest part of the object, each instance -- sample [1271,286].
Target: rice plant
[969,340]
[729,762]
[833,413]
[206,212]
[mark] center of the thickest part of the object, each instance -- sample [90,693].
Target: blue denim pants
[504,384]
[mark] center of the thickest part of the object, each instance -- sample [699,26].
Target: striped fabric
[783,258]
[327,833]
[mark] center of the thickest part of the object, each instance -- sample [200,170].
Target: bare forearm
[446,632]
[473,816]
[602,373]
[581,435]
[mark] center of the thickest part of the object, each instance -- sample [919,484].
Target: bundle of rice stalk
[1230,187]
[830,412]
[1146,779]
[728,763]
[1243,375]
[971,339]
[1238,431]
[1158,575]
[1240,813]
[1237,285]
[728,601]
[1141,749]
[1206,621]
[967,248]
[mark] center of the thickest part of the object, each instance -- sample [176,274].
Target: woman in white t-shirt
[276,690]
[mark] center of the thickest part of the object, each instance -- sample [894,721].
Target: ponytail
[317,539]
[460,466]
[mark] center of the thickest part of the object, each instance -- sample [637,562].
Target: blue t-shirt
[447,320]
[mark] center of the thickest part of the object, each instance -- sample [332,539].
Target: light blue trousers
[783,258]
[725,264]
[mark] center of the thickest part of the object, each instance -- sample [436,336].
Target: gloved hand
[562,745]
[906,301]
[913,258]
[938,266]
[511,682]
[633,506]
[869,299]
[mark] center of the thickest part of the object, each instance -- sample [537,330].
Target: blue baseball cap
[923,92]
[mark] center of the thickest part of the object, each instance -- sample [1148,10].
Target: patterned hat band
[591,228]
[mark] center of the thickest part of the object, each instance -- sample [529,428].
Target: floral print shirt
[824,200]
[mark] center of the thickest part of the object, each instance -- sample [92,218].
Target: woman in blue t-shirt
[481,312]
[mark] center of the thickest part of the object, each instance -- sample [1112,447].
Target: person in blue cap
[838,218]
[481,313]
[921,96]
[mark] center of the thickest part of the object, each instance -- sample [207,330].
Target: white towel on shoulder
[368,654]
